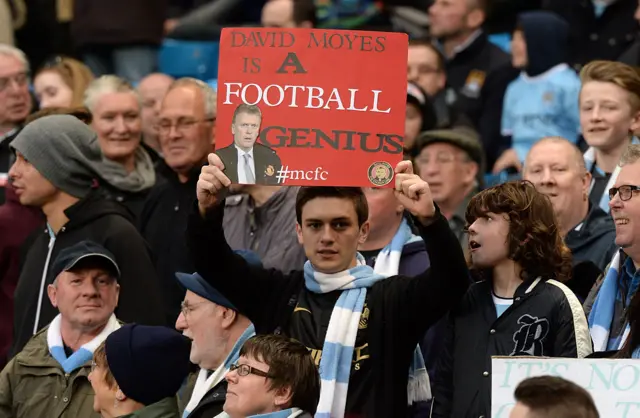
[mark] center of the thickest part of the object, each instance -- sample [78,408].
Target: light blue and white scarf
[84,353]
[204,384]
[601,314]
[337,351]
[287,413]
[589,160]
[388,264]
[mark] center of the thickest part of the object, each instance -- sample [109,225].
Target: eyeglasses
[93,366]
[625,191]
[245,370]
[182,125]
[187,308]
[21,79]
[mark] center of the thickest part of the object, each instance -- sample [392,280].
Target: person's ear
[299,233]
[283,397]
[364,233]
[52,292]
[117,294]
[228,317]
[475,18]
[635,124]
[470,172]
[120,396]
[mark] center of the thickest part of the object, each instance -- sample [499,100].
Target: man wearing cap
[55,171]
[451,161]
[217,331]
[49,377]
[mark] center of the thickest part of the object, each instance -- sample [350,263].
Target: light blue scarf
[388,264]
[85,353]
[337,351]
[636,353]
[601,314]
[205,383]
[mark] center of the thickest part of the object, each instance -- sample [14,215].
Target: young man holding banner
[361,329]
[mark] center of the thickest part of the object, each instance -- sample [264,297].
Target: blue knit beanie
[148,363]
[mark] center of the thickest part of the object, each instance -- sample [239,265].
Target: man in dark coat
[245,161]
[54,171]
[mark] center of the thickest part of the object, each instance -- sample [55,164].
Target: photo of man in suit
[245,161]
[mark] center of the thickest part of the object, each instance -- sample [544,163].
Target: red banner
[304,107]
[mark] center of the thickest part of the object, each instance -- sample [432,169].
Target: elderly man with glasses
[15,104]
[611,297]
[186,135]
[217,331]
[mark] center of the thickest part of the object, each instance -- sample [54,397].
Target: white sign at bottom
[613,384]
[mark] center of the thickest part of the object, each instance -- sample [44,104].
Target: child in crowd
[543,100]
[519,308]
[609,115]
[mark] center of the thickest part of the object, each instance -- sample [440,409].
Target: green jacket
[166,408]
[34,385]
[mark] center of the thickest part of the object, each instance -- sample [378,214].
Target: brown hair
[622,75]
[354,194]
[550,397]
[81,113]
[74,74]
[428,44]
[100,358]
[534,238]
[247,109]
[633,342]
[290,365]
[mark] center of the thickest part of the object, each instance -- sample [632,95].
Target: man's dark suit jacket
[266,161]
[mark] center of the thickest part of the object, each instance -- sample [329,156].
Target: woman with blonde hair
[61,82]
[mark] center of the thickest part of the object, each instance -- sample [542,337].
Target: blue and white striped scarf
[337,351]
[589,160]
[601,314]
[84,353]
[388,264]
[204,382]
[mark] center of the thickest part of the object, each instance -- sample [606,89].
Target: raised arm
[257,292]
[422,300]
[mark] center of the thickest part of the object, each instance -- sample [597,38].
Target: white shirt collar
[242,152]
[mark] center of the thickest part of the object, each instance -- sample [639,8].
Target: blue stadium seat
[491,180]
[198,59]
[501,40]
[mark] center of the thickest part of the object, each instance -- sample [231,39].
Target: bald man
[556,167]
[289,14]
[152,89]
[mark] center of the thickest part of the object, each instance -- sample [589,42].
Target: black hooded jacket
[594,239]
[547,37]
[106,223]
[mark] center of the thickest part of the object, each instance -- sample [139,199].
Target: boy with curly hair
[518,307]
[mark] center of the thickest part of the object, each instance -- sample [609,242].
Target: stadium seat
[198,59]
[501,40]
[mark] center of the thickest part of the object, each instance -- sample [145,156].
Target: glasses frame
[182,126]
[624,190]
[246,370]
